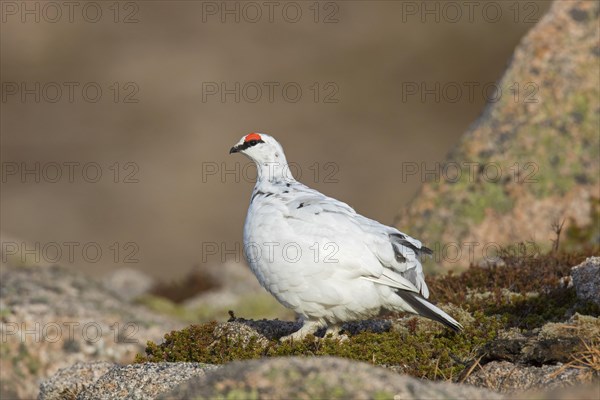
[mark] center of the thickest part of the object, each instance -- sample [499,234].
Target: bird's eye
[251,143]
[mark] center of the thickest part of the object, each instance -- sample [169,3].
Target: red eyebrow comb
[252,136]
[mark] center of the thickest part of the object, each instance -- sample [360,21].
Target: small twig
[471,368]
[557,229]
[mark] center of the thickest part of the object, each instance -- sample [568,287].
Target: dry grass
[587,359]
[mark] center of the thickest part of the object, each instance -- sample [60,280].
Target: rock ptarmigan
[320,258]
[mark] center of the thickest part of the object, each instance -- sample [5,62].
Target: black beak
[245,145]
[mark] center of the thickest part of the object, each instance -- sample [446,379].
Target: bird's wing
[367,248]
[399,253]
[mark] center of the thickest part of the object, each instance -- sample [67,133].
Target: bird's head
[268,155]
[260,148]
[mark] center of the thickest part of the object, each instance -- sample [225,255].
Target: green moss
[196,343]
[242,394]
[559,170]
[581,103]
[475,192]
[4,313]
[489,196]
[431,353]
[24,358]
[383,395]
[337,392]
[526,292]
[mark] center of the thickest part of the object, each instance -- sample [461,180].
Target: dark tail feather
[428,310]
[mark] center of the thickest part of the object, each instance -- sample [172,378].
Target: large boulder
[586,279]
[52,318]
[69,382]
[532,159]
[102,380]
[317,378]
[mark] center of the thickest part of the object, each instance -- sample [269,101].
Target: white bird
[320,258]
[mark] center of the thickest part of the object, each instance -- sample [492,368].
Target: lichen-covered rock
[52,318]
[554,356]
[141,381]
[586,279]
[506,377]
[102,380]
[68,382]
[316,378]
[533,153]
[552,343]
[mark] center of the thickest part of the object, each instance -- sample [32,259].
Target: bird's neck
[269,172]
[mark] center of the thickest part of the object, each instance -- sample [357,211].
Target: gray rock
[558,60]
[553,343]
[142,381]
[67,383]
[128,283]
[316,377]
[586,279]
[70,318]
[506,377]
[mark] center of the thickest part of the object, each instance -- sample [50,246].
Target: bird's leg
[334,331]
[309,327]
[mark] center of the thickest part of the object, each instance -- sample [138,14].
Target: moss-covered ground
[523,293]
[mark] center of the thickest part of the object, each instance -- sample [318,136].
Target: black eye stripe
[250,143]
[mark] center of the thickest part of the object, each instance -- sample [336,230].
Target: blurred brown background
[156,128]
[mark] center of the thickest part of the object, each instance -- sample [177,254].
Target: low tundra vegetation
[522,294]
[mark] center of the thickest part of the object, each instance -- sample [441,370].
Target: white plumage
[320,258]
